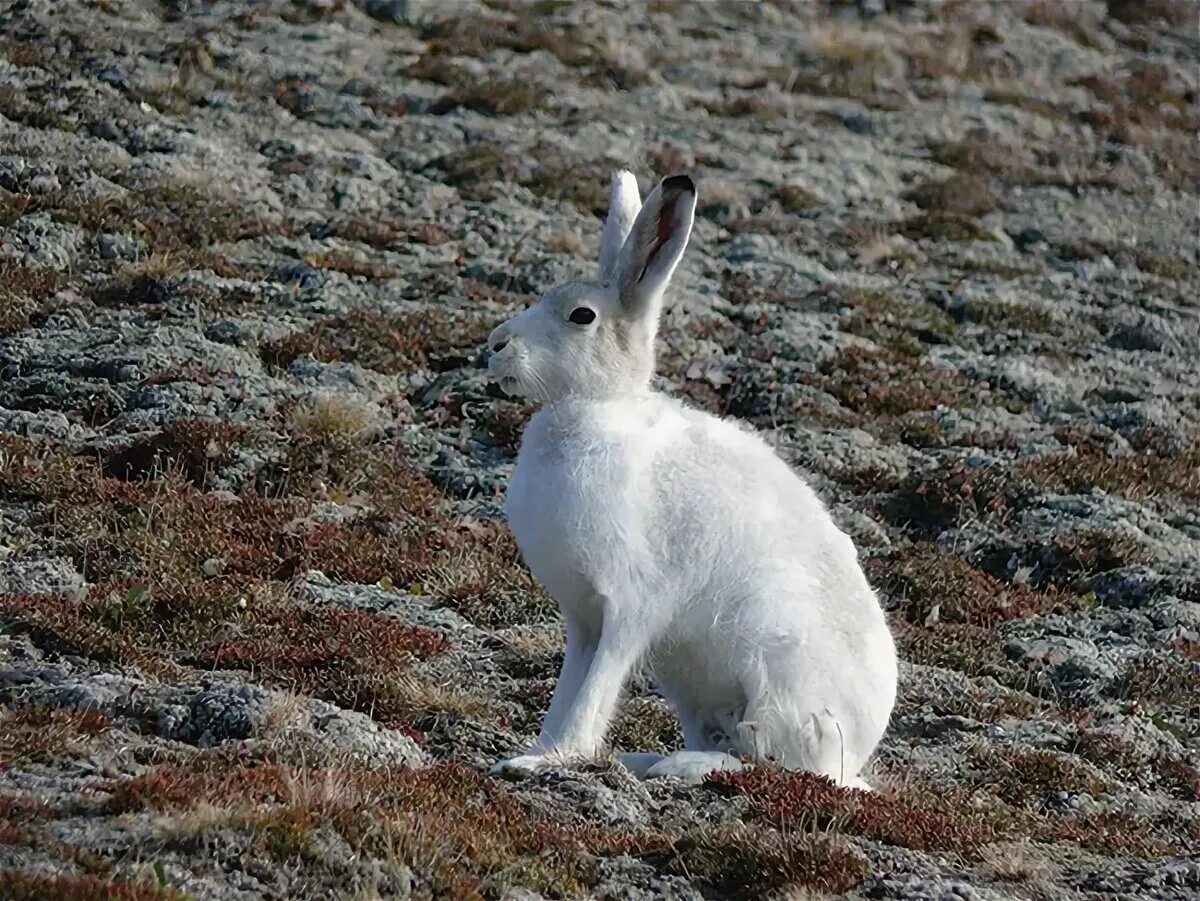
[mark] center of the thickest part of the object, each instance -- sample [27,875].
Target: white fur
[676,540]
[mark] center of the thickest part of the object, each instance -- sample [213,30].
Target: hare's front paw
[526,765]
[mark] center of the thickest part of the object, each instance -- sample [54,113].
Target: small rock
[1143,335]
[119,247]
[228,331]
[1029,239]
[46,576]
[396,11]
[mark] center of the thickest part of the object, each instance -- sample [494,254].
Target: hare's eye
[582,315]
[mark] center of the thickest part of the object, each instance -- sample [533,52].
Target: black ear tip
[680,183]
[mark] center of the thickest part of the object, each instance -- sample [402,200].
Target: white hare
[676,540]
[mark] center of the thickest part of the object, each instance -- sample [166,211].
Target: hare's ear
[655,245]
[622,210]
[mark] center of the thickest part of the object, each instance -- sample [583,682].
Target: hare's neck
[614,409]
[579,404]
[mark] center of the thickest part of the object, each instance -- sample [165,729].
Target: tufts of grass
[40,734]
[22,810]
[476,168]
[1066,17]
[559,175]
[26,108]
[977,266]
[1085,552]
[878,384]
[993,704]
[601,61]
[973,650]
[493,96]
[186,579]
[190,447]
[86,887]
[1169,678]
[544,169]
[385,230]
[24,290]
[1170,267]
[492,589]
[751,105]
[932,583]
[1029,778]
[1142,98]
[794,198]
[1060,165]
[646,724]
[1126,761]
[174,218]
[353,265]
[747,864]
[931,501]
[916,820]
[906,328]
[1088,465]
[978,156]
[1144,12]
[406,343]
[944,819]
[963,194]
[465,835]
[462,832]
[999,315]
[944,226]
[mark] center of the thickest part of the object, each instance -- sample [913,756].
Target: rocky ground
[261,628]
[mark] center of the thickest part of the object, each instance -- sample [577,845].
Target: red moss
[409,342]
[877,383]
[942,819]
[87,887]
[22,809]
[918,822]
[923,576]
[36,734]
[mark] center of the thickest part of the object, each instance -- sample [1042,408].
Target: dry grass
[350,264]
[24,290]
[464,834]
[1029,779]
[599,59]
[932,501]
[646,724]
[1072,19]
[1020,862]
[40,734]
[903,327]
[1063,165]
[999,315]
[424,339]
[962,194]
[85,887]
[942,818]
[876,384]
[1088,465]
[490,95]
[933,584]
[185,579]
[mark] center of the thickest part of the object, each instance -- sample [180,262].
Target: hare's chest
[567,506]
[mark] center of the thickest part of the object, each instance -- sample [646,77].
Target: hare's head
[596,338]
